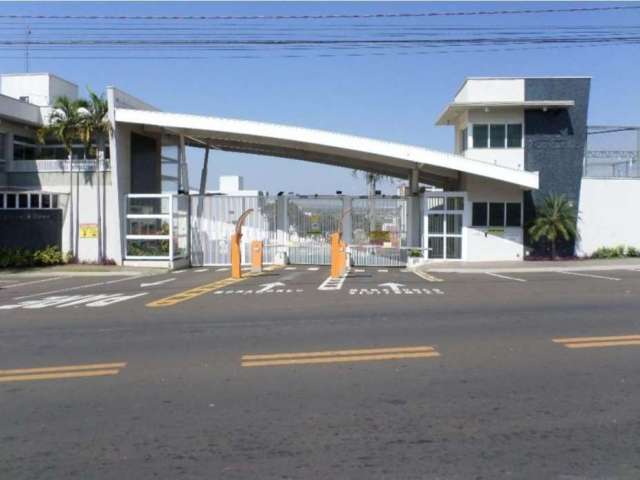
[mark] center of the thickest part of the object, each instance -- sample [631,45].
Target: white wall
[608,214]
[491,90]
[479,244]
[41,88]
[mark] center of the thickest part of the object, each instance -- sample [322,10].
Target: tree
[556,218]
[96,128]
[372,180]
[66,126]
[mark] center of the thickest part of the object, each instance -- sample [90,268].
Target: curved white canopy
[394,159]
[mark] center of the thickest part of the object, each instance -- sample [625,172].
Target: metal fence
[213,221]
[300,227]
[612,164]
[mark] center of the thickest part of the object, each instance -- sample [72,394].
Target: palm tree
[65,125]
[96,128]
[372,180]
[556,218]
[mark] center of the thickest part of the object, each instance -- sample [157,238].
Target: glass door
[444,221]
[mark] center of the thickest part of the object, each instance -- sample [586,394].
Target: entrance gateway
[298,228]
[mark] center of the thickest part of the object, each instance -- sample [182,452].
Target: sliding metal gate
[213,221]
[379,231]
[300,226]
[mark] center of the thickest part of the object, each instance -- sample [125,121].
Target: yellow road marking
[204,289]
[596,339]
[595,342]
[332,353]
[54,376]
[354,358]
[427,276]
[66,368]
[65,371]
[621,343]
[338,356]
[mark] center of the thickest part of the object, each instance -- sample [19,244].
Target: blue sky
[390,97]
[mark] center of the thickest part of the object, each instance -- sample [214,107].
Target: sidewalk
[531,266]
[80,270]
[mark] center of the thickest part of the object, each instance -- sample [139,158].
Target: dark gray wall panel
[554,144]
[145,165]
[30,229]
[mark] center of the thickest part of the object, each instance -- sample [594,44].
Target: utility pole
[26,48]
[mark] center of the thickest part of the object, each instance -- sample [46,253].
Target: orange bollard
[257,247]
[236,256]
[338,255]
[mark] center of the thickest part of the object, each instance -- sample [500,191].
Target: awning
[330,148]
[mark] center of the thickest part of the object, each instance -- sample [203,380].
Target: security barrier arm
[236,254]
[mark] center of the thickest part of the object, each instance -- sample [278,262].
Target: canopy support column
[413,210]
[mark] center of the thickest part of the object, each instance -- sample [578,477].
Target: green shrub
[616,252]
[48,256]
[633,252]
[415,253]
[22,258]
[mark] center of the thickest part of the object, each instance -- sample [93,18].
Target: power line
[324,17]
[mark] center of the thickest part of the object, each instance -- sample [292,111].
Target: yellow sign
[88,230]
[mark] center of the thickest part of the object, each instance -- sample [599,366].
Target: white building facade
[515,140]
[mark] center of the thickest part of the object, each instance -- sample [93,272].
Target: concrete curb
[593,268]
[54,273]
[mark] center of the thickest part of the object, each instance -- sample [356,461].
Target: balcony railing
[46,165]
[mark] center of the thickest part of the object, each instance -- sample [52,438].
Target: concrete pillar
[347,222]
[414,212]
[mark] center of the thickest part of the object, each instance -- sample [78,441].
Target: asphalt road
[384,375]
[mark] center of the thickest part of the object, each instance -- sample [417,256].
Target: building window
[514,215]
[23,200]
[3,139]
[464,140]
[1,200]
[514,135]
[11,200]
[479,214]
[497,135]
[480,136]
[496,214]
[35,200]
[46,201]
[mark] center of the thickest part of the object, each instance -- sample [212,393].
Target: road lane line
[313,269]
[340,359]
[225,269]
[192,293]
[598,342]
[33,282]
[383,270]
[426,276]
[619,343]
[178,272]
[160,282]
[65,368]
[332,353]
[506,277]
[57,376]
[200,270]
[589,275]
[100,284]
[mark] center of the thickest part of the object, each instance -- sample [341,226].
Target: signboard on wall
[88,230]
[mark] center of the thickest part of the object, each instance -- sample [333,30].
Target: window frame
[521,142]
[487,209]
[473,135]
[489,126]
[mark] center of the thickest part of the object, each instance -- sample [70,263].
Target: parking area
[293,285]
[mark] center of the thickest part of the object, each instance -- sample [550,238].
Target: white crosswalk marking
[313,269]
